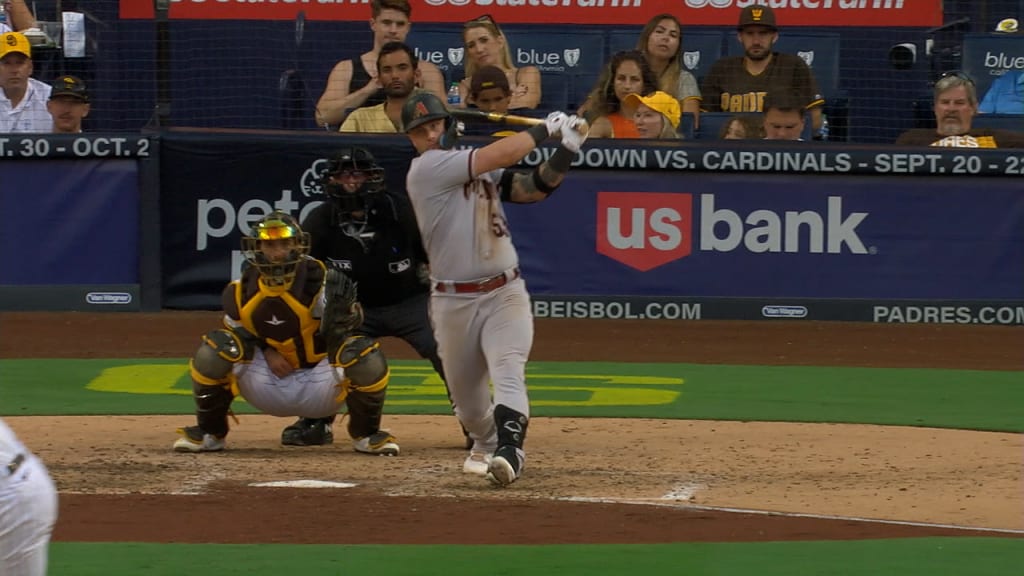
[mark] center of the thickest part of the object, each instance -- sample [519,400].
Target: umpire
[372,236]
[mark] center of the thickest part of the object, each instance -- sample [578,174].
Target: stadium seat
[555,90]
[1013,122]
[984,57]
[442,46]
[711,124]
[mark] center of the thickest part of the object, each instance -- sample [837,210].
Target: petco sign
[623,12]
[645,230]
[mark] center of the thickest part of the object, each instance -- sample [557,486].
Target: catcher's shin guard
[217,356]
[362,363]
[364,412]
[212,405]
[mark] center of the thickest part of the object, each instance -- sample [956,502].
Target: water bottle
[454,99]
[3,14]
[823,131]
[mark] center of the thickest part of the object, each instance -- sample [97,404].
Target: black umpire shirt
[383,260]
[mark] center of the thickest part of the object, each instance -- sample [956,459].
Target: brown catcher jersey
[729,87]
[281,316]
[974,138]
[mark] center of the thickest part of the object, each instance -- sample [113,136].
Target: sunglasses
[486,18]
[959,75]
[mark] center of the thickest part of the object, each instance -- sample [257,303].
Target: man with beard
[740,83]
[354,83]
[956,103]
[398,71]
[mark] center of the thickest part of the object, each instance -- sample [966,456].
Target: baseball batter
[286,348]
[28,508]
[479,304]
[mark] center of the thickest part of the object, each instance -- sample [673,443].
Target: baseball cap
[14,42]
[663,103]
[69,86]
[757,15]
[1008,26]
[488,77]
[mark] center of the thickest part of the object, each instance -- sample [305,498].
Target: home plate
[303,484]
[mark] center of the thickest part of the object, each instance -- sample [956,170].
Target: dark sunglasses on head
[958,74]
[484,18]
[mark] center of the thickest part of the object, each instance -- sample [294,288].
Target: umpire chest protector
[281,316]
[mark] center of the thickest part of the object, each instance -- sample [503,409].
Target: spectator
[743,127]
[486,45]
[19,17]
[489,91]
[626,73]
[397,68]
[656,115]
[783,117]
[661,43]
[1005,95]
[22,98]
[956,103]
[741,83]
[351,84]
[68,105]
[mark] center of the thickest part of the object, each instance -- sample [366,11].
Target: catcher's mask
[423,107]
[353,160]
[276,269]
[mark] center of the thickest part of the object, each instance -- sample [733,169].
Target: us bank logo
[644,230]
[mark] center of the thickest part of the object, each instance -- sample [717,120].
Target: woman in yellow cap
[655,115]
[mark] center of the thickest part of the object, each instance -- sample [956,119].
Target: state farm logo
[644,230]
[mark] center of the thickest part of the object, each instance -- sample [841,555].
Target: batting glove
[554,123]
[574,133]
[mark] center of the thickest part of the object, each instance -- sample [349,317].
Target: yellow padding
[376,386]
[367,350]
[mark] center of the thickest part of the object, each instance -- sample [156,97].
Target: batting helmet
[423,107]
[355,159]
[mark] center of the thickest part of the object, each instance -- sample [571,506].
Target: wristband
[541,184]
[561,160]
[539,133]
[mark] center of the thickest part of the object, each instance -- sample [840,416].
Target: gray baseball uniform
[28,508]
[479,305]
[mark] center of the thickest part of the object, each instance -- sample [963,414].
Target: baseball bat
[514,119]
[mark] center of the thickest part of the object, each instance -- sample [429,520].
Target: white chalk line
[685,506]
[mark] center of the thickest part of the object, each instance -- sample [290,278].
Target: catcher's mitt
[342,313]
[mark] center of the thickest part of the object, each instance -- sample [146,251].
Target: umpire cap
[422,107]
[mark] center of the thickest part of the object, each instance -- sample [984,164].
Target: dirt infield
[586,480]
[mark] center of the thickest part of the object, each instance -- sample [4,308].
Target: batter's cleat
[476,463]
[506,465]
[308,432]
[194,440]
[381,443]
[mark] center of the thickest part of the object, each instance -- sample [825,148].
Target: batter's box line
[684,506]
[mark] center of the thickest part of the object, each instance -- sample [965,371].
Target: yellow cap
[658,101]
[14,42]
[1007,26]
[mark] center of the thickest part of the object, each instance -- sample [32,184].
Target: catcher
[286,347]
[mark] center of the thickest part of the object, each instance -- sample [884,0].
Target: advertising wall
[693,12]
[709,232]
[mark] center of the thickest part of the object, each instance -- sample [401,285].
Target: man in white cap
[22,98]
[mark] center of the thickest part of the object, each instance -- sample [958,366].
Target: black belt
[13,465]
[477,286]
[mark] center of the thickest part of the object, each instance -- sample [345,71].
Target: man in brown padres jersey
[740,83]
[274,352]
[956,104]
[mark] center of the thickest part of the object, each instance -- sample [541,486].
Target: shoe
[380,442]
[477,463]
[506,465]
[193,439]
[308,432]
